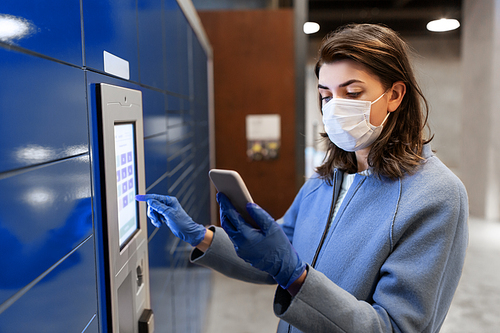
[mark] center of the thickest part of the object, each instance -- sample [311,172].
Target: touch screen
[126,181]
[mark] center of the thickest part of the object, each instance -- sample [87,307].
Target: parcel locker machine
[118,150]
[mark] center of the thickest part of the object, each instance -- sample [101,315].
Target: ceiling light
[443,25]
[310,28]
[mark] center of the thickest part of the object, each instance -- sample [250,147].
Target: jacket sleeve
[322,306]
[417,280]
[221,256]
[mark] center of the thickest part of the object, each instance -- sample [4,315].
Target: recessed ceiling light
[310,28]
[443,25]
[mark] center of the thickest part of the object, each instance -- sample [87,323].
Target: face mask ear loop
[385,119]
[375,101]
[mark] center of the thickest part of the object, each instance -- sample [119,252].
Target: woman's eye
[353,94]
[326,99]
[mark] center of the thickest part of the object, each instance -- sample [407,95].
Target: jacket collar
[427,151]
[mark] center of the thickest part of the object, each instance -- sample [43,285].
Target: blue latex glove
[267,248]
[168,210]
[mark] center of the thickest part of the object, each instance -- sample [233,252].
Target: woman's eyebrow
[345,84]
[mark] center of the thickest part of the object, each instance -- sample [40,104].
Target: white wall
[437,67]
[481,110]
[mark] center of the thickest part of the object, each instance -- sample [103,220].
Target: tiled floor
[238,307]
[476,306]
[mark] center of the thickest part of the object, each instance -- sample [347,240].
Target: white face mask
[347,123]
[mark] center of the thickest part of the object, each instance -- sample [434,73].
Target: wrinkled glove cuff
[198,237]
[288,276]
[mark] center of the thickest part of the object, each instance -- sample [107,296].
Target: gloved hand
[267,248]
[168,210]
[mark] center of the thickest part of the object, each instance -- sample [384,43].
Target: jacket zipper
[328,223]
[327,227]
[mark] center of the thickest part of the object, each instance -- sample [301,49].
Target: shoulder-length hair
[398,149]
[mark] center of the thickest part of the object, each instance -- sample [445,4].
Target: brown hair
[398,149]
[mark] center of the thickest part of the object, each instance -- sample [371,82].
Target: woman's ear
[396,96]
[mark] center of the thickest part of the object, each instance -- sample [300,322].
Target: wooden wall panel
[254,74]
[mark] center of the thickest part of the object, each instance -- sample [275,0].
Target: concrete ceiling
[408,17]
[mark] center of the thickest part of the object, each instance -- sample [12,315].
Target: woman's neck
[362,158]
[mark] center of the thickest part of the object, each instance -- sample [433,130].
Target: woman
[376,240]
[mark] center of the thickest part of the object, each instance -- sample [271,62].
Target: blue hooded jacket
[390,260]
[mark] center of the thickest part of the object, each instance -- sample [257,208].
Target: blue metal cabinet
[51,28]
[156,254]
[155,135]
[167,255]
[92,78]
[63,301]
[155,115]
[155,155]
[180,302]
[200,81]
[180,161]
[176,47]
[196,116]
[45,213]
[174,116]
[111,25]
[152,43]
[46,96]
[174,104]
[93,326]
[43,114]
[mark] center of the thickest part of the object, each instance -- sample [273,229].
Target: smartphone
[232,185]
